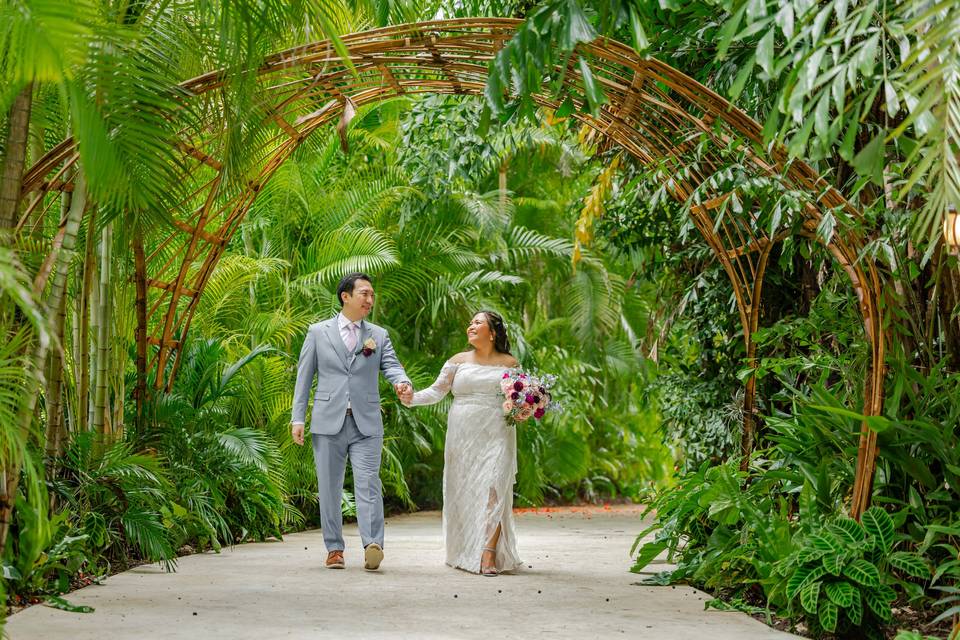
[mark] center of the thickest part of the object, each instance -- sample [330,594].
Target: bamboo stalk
[15,153]
[140,276]
[86,303]
[104,327]
[53,394]
[34,370]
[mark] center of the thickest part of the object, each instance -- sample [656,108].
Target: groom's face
[357,305]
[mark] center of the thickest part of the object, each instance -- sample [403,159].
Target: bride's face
[478,331]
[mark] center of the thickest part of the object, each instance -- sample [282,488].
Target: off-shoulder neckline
[477,364]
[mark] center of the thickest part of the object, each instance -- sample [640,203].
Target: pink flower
[507,407]
[529,399]
[525,413]
[506,386]
[506,375]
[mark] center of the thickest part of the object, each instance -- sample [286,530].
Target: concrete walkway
[577,586]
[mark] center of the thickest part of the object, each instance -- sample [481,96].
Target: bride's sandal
[491,569]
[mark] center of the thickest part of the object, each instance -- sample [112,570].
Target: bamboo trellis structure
[655,113]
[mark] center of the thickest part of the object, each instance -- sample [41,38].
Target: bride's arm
[436,392]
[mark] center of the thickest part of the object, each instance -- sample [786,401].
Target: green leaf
[10,572]
[827,542]
[848,530]
[771,125]
[910,563]
[640,42]
[566,108]
[784,19]
[484,125]
[840,593]
[825,228]
[867,56]
[828,615]
[879,602]
[741,80]
[728,31]
[808,554]
[59,603]
[797,580]
[809,596]
[595,96]
[756,9]
[648,554]
[878,523]
[765,51]
[864,572]
[833,563]
[890,99]
[821,115]
[855,609]
[877,423]
[850,137]
[869,162]
[576,27]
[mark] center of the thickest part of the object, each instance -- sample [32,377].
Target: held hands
[404,393]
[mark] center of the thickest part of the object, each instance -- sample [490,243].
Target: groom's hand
[404,393]
[296,430]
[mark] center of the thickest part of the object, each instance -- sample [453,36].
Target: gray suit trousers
[330,455]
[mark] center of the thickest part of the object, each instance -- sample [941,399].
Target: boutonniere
[369,346]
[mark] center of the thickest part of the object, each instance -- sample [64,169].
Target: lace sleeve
[439,389]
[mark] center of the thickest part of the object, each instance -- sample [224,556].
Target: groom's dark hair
[348,283]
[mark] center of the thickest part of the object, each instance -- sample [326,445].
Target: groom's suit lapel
[364,334]
[333,334]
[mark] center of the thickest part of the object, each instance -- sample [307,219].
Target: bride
[480,454]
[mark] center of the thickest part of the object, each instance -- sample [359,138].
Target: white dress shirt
[344,325]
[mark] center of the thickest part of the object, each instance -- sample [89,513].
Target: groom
[345,353]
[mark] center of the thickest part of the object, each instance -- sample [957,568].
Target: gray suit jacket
[343,378]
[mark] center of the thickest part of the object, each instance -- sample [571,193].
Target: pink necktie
[352,338]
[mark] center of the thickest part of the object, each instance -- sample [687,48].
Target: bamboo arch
[655,113]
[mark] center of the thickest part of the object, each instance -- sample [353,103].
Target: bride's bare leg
[488,561]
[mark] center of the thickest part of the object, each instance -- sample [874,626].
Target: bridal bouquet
[526,395]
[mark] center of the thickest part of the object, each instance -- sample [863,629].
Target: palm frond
[337,253]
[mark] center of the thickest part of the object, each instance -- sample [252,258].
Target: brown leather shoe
[335,560]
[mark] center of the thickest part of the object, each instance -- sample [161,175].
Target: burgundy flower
[367,352]
[518,385]
[538,413]
[536,399]
[529,399]
[515,395]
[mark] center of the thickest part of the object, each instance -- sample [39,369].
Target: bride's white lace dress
[480,465]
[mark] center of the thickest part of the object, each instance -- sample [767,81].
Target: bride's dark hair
[501,342]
